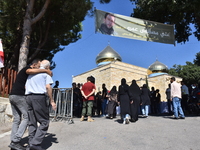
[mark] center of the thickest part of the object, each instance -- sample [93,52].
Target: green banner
[133,28]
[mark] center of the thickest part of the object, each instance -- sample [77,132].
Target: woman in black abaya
[135,97]
[112,102]
[124,101]
[146,102]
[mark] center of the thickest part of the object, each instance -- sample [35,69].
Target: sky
[80,56]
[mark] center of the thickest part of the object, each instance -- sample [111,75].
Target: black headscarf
[134,88]
[144,86]
[123,81]
[113,90]
[123,88]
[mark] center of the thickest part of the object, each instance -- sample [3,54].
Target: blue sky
[80,57]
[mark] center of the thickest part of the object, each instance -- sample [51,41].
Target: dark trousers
[170,105]
[184,103]
[104,104]
[154,109]
[38,112]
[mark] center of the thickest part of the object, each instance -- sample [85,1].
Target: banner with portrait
[133,28]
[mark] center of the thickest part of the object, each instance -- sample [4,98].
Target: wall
[112,73]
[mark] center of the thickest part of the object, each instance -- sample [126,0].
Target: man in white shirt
[176,98]
[38,108]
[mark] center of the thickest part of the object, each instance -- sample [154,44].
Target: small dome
[157,67]
[107,55]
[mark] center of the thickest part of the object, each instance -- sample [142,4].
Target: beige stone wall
[112,73]
[161,82]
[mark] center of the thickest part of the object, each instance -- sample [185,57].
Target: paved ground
[152,133]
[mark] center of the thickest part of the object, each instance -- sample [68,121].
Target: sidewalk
[152,133]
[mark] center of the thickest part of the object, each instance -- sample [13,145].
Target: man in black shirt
[104,99]
[19,105]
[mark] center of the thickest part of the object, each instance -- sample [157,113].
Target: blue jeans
[104,103]
[19,108]
[177,107]
[145,110]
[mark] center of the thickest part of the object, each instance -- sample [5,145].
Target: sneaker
[182,117]
[16,146]
[127,121]
[36,147]
[124,122]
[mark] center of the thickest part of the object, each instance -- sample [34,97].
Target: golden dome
[108,55]
[157,67]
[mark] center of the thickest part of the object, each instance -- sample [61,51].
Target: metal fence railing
[63,98]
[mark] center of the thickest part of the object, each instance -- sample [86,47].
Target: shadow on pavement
[48,140]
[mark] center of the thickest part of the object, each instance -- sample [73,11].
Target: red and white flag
[1,55]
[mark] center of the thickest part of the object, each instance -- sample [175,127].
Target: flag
[133,28]
[1,55]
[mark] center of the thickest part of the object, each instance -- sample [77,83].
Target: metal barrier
[63,98]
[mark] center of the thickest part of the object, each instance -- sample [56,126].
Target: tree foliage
[197,60]
[181,13]
[189,72]
[59,26]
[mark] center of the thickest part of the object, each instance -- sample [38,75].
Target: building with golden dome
[110,70]
[107,55]
[157,68]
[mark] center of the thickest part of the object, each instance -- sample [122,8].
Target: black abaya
[124,99]
[112,103]
[135,97]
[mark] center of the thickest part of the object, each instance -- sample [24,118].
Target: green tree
[197,60]
[39,28]
[181,13]
[189,72]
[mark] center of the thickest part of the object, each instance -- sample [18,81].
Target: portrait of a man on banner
[107,25]
[133,28]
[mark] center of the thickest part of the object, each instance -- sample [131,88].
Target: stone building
[110,70]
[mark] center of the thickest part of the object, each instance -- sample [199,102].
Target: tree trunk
[24,49]
[28,21]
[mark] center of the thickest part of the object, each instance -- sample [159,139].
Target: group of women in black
[129,98]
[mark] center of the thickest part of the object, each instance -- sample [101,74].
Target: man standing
[57,84]
[176,98]
[168,96]
[76,100]
[185,95]
[38,108]
[88,90]
[153,101]
[19,105]
[104,99]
